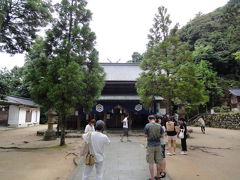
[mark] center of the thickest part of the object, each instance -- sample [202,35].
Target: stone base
[49,135]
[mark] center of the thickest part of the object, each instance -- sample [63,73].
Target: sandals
[163,174]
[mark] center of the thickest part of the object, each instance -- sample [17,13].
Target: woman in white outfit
[97,141]
[90,126]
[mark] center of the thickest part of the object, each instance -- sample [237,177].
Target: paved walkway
[124,161]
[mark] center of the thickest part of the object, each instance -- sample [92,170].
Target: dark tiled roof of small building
[235,92]
[19,101]
[121,71]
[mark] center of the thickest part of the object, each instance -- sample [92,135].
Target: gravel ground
[38,164]
[214,155]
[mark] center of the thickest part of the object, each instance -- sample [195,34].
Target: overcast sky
[122,26]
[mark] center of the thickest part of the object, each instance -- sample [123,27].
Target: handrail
[194,118]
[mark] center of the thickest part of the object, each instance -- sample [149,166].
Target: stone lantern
[50,134]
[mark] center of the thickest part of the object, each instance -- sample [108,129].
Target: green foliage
[160,29]
[20,21]
[63,69]
[12,82]
[4,88]
[170,72]
[237,56]
[215,38]
[36,65]
[69,73]
[136,58]
[209,78]
[222,109]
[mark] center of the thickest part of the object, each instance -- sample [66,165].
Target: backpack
[170,126]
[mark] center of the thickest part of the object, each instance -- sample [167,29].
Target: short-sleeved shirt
[125,122]
[201,121]
[98,140]
[89,128]
[151,130]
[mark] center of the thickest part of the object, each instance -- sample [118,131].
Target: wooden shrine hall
[119,97]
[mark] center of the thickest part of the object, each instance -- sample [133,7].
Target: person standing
[176,116]
[97,140]
[163,143]
[171,127]
[90,126]
[183,128]
[125,128]
[202,124]
[153,132]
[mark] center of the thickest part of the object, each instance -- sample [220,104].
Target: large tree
[170,72]
[20,20]
[72,74]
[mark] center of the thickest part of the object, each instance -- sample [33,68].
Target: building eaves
[235,92]
[19,101]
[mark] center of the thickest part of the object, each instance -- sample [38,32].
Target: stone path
[124,161]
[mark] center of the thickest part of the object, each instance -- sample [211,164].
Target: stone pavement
[123,161]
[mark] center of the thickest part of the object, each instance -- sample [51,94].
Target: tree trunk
[63,125]
[182,111]
[169,108]
[79,122]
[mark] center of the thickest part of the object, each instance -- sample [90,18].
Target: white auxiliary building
[19,112]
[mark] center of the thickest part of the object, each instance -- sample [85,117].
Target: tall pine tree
[73,75]
[160,29]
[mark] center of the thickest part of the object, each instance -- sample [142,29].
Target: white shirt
[125,122]
[98,140]
[89,128]
[201,121]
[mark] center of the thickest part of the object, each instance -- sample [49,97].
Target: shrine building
[119,97]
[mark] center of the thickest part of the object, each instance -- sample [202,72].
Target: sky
[122,26]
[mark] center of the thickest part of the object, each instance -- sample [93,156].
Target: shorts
[174,138]
[163,150]
[154,155]
[125,131]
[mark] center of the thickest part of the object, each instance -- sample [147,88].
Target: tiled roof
[19,101]
[235,92]
[124,97]
[121,71]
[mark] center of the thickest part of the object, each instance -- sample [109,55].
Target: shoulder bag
[90,159]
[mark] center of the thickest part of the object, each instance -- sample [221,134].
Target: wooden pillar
[105,119]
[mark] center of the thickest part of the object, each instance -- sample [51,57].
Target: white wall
[22,117]
[36,115]
[13,115]
[17,116]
